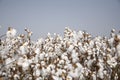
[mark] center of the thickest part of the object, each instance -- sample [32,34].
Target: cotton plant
[75,56]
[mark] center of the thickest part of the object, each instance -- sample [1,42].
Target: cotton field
[75,56]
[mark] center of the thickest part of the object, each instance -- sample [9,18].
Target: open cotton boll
[74,54]
[89,63]
[100,73]
[8,62]
[112,62]
[118,49]
[41,56]
[11,32]
[76,59]
[70,48]
[110,41]
[91,43]
[56,78]
[80,34]
[94,76]
[37,72]
[23,48]
[16,77]
[39,78]
[20,61]
[37,51]
[69,77]
[43,63]
[61,62]
[25,65]
[64,57]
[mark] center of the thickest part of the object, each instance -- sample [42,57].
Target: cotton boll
[8,62]
[39,78]
[82,50]
[61,62]
[56,78]
[25,65]
[94,76]
[37,51]
[118,36]
[69,66]
[69,78]
[11,32]
[74,54]
[64,57]
[100,73]
[40,41]
[89,63]
[42,63]
[16,77]
[41,56]
[74,60]
[70,48]
[80,34]
[23,48]
[73,74]
[79,65]
[89,52]
[37,72]
[91,43]
[112,32]
[112,62]
[44,72]
[110,41]
[118,49]
[20,61]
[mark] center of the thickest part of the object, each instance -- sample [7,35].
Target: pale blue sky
[97,17]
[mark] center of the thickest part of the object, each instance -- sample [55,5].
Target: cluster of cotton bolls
[76,56]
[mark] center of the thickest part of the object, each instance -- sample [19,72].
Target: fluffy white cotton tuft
[11,32]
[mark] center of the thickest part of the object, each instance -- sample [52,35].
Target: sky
[97,17]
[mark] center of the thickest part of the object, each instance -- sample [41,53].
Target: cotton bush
[75,56]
